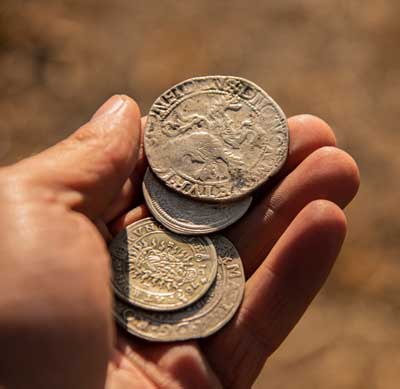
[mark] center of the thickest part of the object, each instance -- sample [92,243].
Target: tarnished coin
[156,269]
[215,138]
[201,319]
[186,216]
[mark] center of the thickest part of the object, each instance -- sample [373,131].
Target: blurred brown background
[338,59]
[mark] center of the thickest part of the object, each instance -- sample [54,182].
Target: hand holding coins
[210,142]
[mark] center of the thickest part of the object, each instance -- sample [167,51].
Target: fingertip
[132,107]
[307,133]
[114,103]
[315,128]
[325,218]
[283,286]
[99,157]
[107,106]
[118,131]
[341,167]
[324,229]
[311,243]
[117,105]
[352,174]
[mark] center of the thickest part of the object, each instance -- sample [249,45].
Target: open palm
[288,242]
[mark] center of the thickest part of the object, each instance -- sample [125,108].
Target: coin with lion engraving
[186,216]
[156,269]
[215,138]
[203,318]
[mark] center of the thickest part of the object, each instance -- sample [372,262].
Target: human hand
[55,302]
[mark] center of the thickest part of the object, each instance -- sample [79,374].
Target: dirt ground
[338,59]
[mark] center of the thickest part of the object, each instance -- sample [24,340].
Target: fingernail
[109,107]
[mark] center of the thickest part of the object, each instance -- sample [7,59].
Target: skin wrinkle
[151,371]
[251,370]
[186,362]
[317,211]
[304,140]
[270,296]
[260,326]
[126,199]
[318,177]
[307,134]
[124,360]
[245,229]
[37,182]
[243,348]
[325,164]
[131,194]
[246,318]
[114,160]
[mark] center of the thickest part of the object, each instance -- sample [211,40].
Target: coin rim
[124,324]
[162,216]
[261,182]
[213,255]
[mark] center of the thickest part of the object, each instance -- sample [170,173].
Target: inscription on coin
[156,269]
[201,319]
[186,216]
[215,138]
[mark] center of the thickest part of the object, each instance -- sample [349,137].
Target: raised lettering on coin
[201,319]
[186,216]
[156,269]
[215,138]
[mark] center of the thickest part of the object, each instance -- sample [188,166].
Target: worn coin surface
[215,138]
[156,269]
[186,216]
[201,319]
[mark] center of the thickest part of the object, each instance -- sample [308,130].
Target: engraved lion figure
[217,138]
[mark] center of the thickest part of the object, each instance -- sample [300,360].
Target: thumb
[86,171]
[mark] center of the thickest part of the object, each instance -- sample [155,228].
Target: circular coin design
[156,269]
[201,319]
[186,216]
[215,138]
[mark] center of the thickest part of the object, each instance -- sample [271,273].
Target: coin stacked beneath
[210,142]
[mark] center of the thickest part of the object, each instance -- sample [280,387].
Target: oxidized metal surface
[215,138]
[156,269]
[186,216]
[201,319]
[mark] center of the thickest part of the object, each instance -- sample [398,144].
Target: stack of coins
[210,143]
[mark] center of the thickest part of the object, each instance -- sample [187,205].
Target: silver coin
[201,319]
[156,269]
[215,138]
[186,216]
